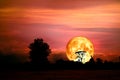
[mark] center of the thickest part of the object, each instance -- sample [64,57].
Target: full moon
[79,49]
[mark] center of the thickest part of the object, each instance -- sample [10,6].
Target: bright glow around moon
[79,49]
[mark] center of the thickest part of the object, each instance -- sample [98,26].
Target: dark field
[61,75]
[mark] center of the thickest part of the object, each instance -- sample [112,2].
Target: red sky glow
[57,21]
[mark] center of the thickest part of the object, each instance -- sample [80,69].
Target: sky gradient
[57,21]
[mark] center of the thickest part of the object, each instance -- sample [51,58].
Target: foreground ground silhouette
[62,75]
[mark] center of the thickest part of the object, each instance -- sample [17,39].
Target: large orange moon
[79,44]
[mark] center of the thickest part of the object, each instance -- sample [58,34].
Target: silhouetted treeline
[40,50]
[60,65]
[89,65]
[9,59]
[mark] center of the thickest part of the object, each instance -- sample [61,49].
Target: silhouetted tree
[99,61]
[91,61]
[119,59]
[9,59]
[39,50]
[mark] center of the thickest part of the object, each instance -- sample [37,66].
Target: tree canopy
[39,51]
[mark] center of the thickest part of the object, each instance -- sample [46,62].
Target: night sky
[57,21]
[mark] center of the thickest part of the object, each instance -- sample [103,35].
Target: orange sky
[57,21]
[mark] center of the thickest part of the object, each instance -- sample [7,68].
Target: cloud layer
[57,21]
[54,4]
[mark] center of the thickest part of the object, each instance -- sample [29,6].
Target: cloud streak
[57,21]
[54,4]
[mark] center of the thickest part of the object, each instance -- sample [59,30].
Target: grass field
[61,75]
